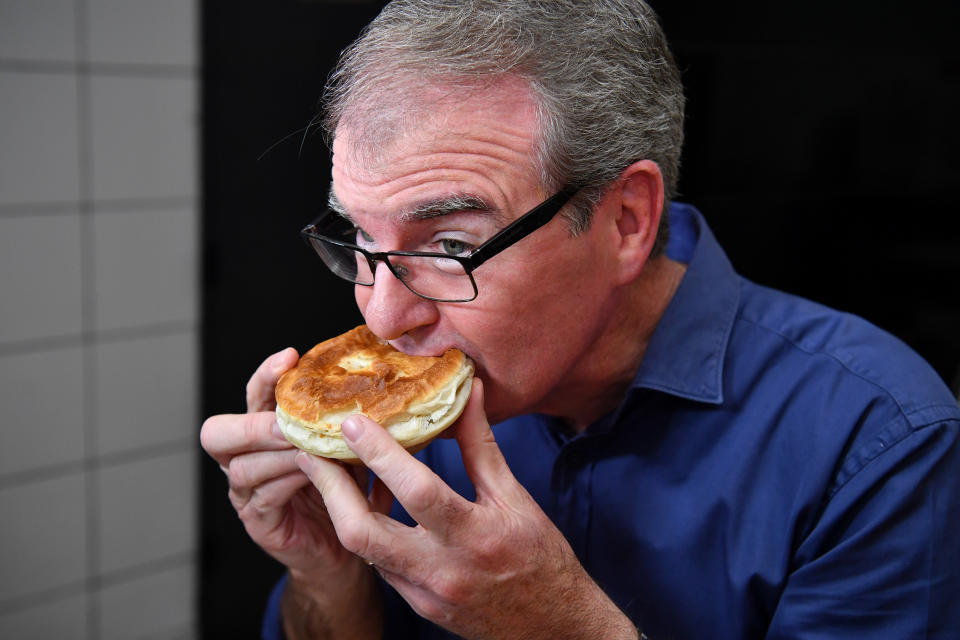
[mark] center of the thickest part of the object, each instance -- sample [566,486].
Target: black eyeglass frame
[506,237]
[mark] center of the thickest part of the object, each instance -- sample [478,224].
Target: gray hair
[607,89]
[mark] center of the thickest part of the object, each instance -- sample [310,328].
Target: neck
[605,372]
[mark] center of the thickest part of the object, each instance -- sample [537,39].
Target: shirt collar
[686,352]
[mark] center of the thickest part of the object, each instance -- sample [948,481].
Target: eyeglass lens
[344,262]
[430,276]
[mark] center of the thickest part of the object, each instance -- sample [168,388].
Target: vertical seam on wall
[88,321]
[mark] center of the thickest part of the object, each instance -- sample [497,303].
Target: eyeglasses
[434,276]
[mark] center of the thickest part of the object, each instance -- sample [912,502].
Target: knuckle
[489,551]
[451,588]
[354,536]
[256,508]
[239,472]
[237,502]
[431,609]
[420,493]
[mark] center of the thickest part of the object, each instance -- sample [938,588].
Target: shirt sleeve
[272,628]
[883,559]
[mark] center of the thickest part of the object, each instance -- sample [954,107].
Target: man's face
[541,302]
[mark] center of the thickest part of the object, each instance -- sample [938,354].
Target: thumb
[482,458]
[260,388]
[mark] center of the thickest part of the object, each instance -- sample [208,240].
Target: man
[677,452]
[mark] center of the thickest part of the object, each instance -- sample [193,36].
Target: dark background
[821,146]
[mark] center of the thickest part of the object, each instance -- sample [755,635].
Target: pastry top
[358,372]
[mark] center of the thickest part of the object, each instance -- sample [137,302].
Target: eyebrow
[455,203]
[433,208]
[335,205]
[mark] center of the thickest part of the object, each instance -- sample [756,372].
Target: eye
[454,247]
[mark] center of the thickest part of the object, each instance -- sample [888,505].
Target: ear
[638,206]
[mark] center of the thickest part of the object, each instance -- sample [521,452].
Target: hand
[493,568]
[284,514]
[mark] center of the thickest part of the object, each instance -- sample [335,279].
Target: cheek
[528,331]
[550,297]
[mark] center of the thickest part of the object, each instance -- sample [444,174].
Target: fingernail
[352,428]
[305,462]
[275,429]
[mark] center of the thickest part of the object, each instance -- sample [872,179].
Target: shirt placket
[571,485]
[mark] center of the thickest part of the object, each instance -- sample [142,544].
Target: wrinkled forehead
[411,112]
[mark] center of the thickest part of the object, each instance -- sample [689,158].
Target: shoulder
[840,390]
[813,336]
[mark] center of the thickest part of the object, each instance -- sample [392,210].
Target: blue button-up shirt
[776,470]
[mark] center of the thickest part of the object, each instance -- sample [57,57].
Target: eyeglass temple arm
[521,227]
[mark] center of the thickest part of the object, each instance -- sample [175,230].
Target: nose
[390,309]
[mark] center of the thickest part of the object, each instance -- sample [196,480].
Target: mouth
[413,348]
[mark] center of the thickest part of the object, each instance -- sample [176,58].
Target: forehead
[448,140]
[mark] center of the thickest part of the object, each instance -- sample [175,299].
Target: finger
[227,435]
[369,483]
[422,493]
[420,598]
[263,510]
[260,388]
[482,458]
[378,495]
[248,471]
[367,534]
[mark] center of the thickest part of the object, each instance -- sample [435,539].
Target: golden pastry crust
[414,397]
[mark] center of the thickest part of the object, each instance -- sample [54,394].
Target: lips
[411,347]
